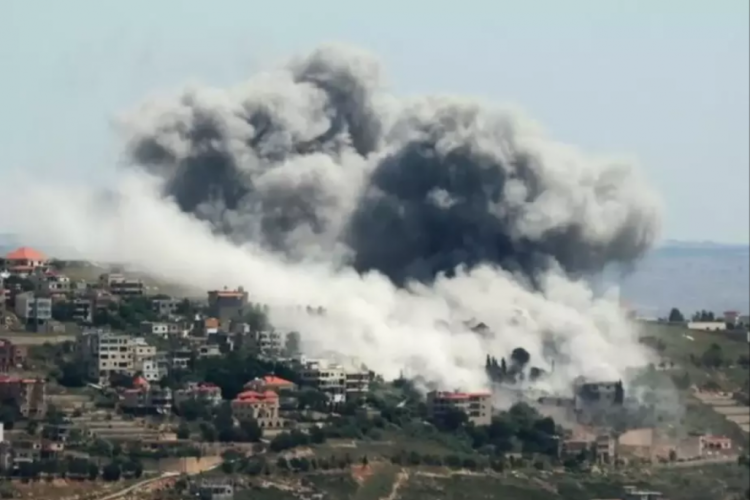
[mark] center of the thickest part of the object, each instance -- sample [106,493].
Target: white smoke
[421,329]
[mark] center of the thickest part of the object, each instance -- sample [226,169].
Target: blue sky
[663,80]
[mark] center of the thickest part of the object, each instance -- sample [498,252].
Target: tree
[111,472]
[72,374]
[675,316]
[712,357]
[251,430]
[520,357]
[292,344]
[183,431]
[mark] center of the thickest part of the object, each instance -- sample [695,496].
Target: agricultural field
[388,482]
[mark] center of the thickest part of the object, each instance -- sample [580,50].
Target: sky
[665,82]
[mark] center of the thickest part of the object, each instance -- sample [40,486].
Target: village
[115,382]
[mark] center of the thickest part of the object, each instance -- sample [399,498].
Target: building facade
[11,355]
[107,353]
[476,405]
[30,395]
[35,311]
[227,305]
[260,406]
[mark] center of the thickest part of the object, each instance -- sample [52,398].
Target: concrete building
[25,260]
[707,326]
[593,399]
[154,328]
[204,392]
[714,445]
[11,355]
[52,283]
[227,305]
[165,307]
[326,377]
[269,344]
[261,406]
[214,489]
[29,395]
[106,353]
[209,351]
[35,311]
[83,310]
[340,382]
[144,398]
[476,405]
[154,368]
[121,286]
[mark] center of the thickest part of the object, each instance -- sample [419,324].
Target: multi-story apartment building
[227,305]
[107,353]
[269,344]
[165,307]
[30,395]
[83,310]
[260,406]
[144,398]
[163,329]
[53,283]
[121,286]
[35,311]
[340,382]
[596,398]
[476,405]
[11,355]
[153,369]
[25,260]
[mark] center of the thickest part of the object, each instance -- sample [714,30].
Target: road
[140,484]
[146,482]
[702,461]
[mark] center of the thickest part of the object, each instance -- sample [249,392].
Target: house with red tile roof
[270,383]
[25,260]
[260,406]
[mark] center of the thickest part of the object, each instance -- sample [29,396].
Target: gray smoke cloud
[317,159]
[407,220]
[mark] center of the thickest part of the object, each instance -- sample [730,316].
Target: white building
[707,326]
[35,311]
[340,382]
[106,353]
[268,343]
[121,286]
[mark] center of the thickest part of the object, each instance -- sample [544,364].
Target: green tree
[675,316]
[712,357]
[251,431]
[111,472]
[183,431]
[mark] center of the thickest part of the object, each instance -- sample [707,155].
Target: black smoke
[316,157]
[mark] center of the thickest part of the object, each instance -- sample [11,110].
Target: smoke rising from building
[311,184]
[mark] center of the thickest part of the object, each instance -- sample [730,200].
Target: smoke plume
[406,219]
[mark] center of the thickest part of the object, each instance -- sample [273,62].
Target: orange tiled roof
[140,382]
[274,380]
[211,323]
[256,396]
[25,253]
